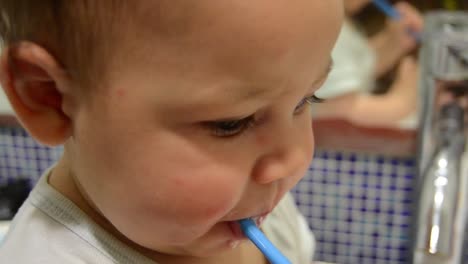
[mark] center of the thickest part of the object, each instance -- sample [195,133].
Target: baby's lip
[237,217]
[259,219]
[236,229]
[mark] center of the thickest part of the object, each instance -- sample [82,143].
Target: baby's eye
[229,128]
[307,100]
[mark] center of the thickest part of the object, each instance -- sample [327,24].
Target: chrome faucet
[442,184]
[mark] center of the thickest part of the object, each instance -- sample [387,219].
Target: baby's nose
[280,165]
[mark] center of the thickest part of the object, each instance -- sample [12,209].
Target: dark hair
[77,32]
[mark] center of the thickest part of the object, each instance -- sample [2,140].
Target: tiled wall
[21,156]
[360,207]
[357,204]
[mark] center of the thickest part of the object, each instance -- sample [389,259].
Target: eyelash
[231,128]
[312,99]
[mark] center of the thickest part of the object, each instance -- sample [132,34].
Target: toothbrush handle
[387,8]
[390,11]
[262,243]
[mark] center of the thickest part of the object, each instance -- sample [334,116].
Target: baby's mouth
[236,229]
[259,219]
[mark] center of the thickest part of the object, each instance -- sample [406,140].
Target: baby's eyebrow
[259,92]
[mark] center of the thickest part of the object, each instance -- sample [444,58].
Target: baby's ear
[34,84]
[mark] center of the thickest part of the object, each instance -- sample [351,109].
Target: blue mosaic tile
[359,207]
[22,157]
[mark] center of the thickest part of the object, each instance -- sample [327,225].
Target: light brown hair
[78,33]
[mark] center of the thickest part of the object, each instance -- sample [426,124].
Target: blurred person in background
[360,60]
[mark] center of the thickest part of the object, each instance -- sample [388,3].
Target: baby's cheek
[209,198]
[180,209]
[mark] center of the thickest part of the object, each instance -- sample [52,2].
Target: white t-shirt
[353,64]
[51,229]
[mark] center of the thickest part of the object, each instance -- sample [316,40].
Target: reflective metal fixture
[442,184]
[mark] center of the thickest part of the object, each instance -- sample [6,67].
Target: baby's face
[207,126]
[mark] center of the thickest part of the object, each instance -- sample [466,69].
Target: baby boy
[177,118]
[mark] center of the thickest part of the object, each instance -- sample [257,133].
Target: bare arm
[376,110]
[397,39]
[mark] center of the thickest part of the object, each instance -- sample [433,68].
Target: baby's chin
[221,237]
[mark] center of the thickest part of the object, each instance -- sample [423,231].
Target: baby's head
[177,117]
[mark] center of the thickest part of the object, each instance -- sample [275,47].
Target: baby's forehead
[269,26]
[247,40]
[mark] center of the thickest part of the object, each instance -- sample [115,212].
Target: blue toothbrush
[390,11]
[251,231]
[387,8]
